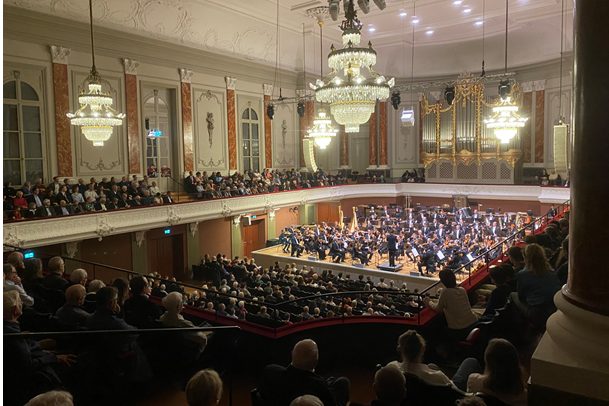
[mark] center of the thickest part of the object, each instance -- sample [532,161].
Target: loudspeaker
[364,5]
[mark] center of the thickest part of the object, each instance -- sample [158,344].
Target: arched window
[157,134]
[250,140]
[22,137]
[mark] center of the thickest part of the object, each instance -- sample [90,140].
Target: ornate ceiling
[247,29]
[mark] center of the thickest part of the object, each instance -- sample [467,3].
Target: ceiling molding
[41,28]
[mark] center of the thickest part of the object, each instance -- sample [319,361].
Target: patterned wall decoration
[111,159]
[133,124]
[373,139]
[209,121]
[539,125]
[285,136]
[525,133]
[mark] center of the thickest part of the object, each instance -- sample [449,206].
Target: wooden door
[166,256]
[254,237]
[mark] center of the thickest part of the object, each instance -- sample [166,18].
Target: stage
[407,271]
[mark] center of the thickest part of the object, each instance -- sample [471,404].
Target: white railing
[40,232]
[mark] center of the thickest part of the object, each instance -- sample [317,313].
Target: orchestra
[432,238]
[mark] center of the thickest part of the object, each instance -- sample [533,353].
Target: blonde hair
[535,259]
[204,388]
[10,301]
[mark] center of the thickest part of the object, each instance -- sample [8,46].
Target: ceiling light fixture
[415,20]
[479,23]
[467,10]
[353,87]
[457,2]
[371,29]
[429,32]
[403,14]
[96,117]
[505,120]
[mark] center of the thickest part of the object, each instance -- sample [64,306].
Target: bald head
[75,295]
[307,400]
[305,355]
[15,258]
[390,385]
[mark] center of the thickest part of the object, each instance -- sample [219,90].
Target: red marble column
[61,93]
[372,139]
[344,147]
[539,125]
[186,93]
[382,107]
[305,122]
[134,139]
[527,101]
[232,123]
[268,135]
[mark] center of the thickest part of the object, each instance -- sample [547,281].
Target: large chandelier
[352,87]
[505,120]
[322,131]
[96,117]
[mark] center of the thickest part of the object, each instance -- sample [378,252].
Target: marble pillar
[539,125]
[372,140]
[268,128]
[232,123]
[186,93]
[344,148]
[383,161]
[527,100]
[134,139]
[571,363]
[305,123]
[61,93]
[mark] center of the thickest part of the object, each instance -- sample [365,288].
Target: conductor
[392,247]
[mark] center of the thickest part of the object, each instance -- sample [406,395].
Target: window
[22,138]
[250,140]
[157,121]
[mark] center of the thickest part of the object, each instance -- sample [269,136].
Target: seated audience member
[537,285]
[204,388]
[55,280]
[122,286]
[13,282]
[90,299]
[411,346]
[389,387]
[471,401]
[454,302]
[78,277]
[52,398]
[282,385]
[502,377]
[516,257]
[139,310]
[174,303]
[71,315]
[31,368]
[15,258]
[500,276]
[306,400]
[117,347]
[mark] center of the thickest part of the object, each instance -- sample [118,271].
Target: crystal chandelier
[505,120]
[352,87]
[322,131]
[95,117]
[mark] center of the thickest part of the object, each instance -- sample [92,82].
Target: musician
[337,251]
[392,247]
[296,248]
[284,239]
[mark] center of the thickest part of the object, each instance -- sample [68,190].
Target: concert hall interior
[305,202]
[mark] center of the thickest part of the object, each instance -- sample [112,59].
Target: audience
[52,398]
[306,400]
[454,302]
[502,377]
[139,311]
[173,303]
[282,385]
[13,282]
[537,285]
[204,388]
[71,315]
[389,387]
[55,280]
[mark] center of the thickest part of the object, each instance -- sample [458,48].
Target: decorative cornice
[185,75]
[534,85]
[33,233]
[230,82]
[59,54]
[267,89]
[130,66]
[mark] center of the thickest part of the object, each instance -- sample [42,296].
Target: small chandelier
[505,120]
[352,87]
[95,117]
[322,131]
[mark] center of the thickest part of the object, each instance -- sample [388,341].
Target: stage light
[364,5]
[396,100]
[334,9]
[380,4]
[449,95]
[300,109]
[270,111]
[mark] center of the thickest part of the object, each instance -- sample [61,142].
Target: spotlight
[380,4]
[270,111]
[449,95]
[300,109]
[396,100]
[364,5]
[504,89]
[334,8]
